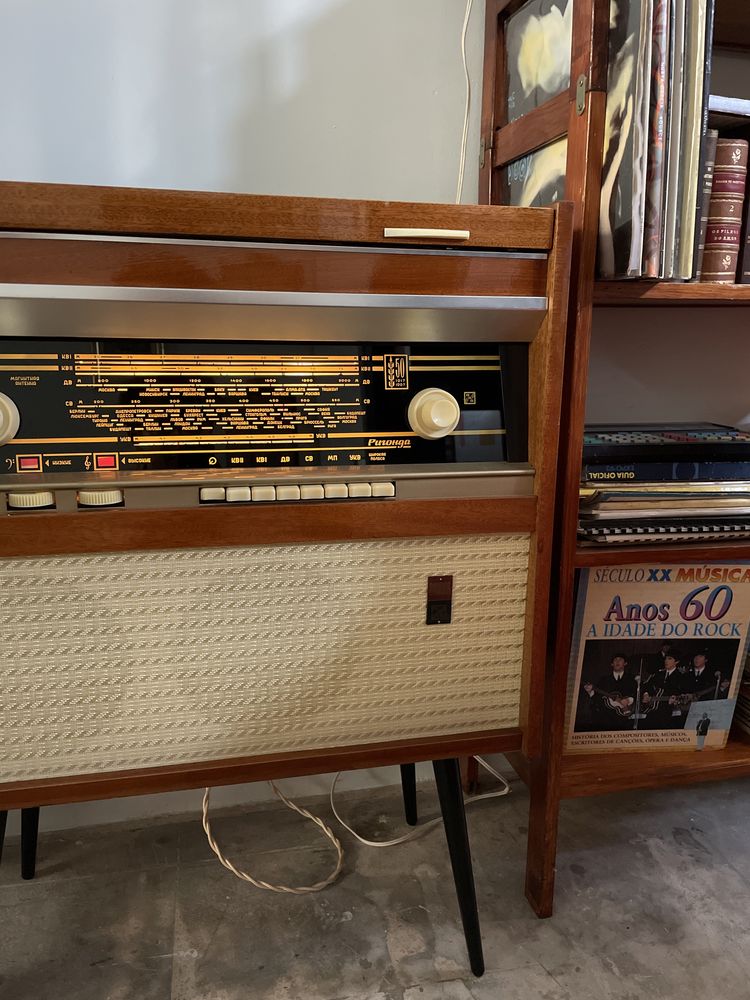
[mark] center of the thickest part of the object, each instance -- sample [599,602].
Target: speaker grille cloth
[153,658]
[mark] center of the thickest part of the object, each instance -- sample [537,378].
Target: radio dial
[433,413]
[10,419]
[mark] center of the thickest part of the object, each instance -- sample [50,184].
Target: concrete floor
[653,900]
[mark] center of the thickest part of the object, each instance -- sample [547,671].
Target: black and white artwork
[538,178]
[537,49]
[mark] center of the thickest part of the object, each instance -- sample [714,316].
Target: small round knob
[10,419]
[28,501]
[433,413]
[99,498]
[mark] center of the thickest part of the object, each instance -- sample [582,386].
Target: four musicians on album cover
[656,693]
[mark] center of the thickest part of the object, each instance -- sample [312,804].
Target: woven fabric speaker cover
[154,658]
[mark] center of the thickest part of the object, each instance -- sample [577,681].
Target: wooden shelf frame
[602,773]
[669,293]
[551,775]
[670,552]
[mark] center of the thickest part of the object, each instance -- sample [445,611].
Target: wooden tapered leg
[3,822]
[448,781]
[409,788]
[29,834]
[470,775]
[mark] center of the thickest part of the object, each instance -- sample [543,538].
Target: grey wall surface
[339,98]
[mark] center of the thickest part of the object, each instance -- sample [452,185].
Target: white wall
[669,363]
[340,98]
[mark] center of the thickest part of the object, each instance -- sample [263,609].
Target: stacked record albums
[664,483]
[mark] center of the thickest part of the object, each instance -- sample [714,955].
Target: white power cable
[259,883]
[417,831]
[328,832]
[467,106]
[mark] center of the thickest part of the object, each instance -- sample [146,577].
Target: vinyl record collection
[657,483]
[675,160]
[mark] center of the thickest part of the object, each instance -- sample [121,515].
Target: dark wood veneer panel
[147,212]
[162,265]
[147,781]
[206,527]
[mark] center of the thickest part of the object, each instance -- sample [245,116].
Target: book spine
[665,472]
[657,124]
[704,145]
[708,180]
[743,272]
[723,232]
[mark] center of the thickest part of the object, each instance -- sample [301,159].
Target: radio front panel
[83,406]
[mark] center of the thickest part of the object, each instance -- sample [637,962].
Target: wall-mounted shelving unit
[553,776]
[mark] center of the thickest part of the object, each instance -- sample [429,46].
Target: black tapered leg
[409,788]
[448,780]
[3,821]
[29,833]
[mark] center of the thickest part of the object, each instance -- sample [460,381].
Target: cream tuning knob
[10,419]
[99,498]
[433,413]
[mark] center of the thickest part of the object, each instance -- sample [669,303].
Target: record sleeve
[674,137]
[656,151]
[623,195]
[657,656]
[692,135]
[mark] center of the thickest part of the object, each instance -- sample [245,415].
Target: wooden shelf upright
[579,114]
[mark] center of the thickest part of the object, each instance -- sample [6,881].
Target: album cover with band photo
[657,657]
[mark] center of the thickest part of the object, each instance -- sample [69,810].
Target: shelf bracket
[485,146]
[581,86]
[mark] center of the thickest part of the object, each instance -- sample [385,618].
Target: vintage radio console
[276,490]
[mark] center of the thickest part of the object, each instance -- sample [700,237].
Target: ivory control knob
[99,498]
[433,413]
[10,419]
[28,501]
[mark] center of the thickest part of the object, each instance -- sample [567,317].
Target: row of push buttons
[307,491]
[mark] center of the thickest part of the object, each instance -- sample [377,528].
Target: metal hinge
[485,145]
[581,94]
